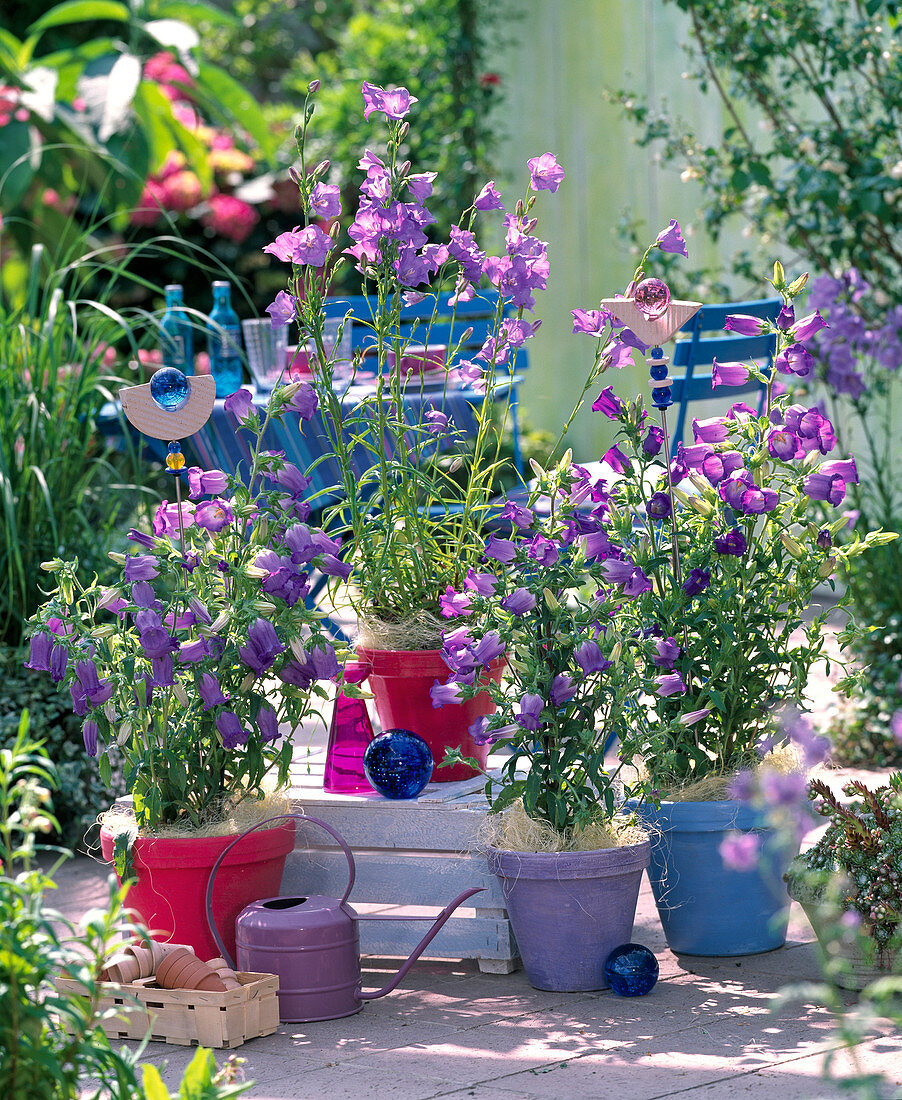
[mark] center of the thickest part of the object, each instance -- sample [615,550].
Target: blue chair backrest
[417,324]
[701,350]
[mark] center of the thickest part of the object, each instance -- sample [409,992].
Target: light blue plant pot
[705,907]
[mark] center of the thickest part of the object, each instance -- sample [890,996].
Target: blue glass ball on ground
[170,389]
[631,970]
[398,764]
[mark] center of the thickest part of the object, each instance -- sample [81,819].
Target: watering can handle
[352,871]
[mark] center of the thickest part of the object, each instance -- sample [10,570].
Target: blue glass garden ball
[631,970]
[398,764]
[170,389]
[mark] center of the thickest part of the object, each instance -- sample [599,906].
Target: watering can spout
[421,946]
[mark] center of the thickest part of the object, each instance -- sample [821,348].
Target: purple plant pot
[569,910]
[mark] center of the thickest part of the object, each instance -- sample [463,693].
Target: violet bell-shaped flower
[230,729]
[205,483]
[795,359]
[453,604]
[502,550]
[562,689]
[443,694]
[89,732]
[39,652]
[696,582]
[728,374]
[731,542]
[531,706]
[589,657]
[262,648]
[670,683]
[827,487]
[268,724]
[519,602]
[627,575]
[667,651]
[210,692]
[744,325]
[712,430]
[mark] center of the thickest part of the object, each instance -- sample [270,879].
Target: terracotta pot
[169,895]
[143,956]
[122,968]
[400,681]
[174,966]
[211,983]
[160,950]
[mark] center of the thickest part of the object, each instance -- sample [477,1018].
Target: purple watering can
[312,943]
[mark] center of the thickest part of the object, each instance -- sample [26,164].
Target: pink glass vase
[349,734]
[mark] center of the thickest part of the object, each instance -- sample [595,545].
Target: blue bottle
[224,341]
[176,336]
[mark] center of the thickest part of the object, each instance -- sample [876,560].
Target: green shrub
[80,793]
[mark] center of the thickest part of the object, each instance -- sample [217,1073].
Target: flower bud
[529,226]
[519,209]
[403,131]
[827,568]
[551,600]
[824,539]
[404,169]
[248,682]
[793,546]
[179,692]
[294,175]
[54,565]
[110,712]
[313,87]
[264,607]
[322,168]
[119,559]
[125,732]
[220,622]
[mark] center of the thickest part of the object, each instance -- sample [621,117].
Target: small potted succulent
[714,565]
[192,672]
[850,881]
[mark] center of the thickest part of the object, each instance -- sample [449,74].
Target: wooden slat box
[408,852]
[188,1017]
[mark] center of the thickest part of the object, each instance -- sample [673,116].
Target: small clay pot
[122,968]
[173,965]
[144,958]
[160,950]
[211,983]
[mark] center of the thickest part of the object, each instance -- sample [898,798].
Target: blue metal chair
[701,350]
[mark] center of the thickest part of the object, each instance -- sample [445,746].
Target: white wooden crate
[408,853]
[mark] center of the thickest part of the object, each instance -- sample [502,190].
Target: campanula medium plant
[541,596]
[411,528]
[197,662]
[720,635]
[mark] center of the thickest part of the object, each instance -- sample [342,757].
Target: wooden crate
[409,853]
[187,1017]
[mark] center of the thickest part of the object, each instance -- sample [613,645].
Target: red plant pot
[169,895]
[400,682]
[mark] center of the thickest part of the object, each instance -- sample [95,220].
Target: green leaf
[195,12]
[154,1089]
[122,856]
[15,144]
[80,11]
[240,105]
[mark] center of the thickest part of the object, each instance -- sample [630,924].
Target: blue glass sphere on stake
[170,389]
[398,764]
[631,970]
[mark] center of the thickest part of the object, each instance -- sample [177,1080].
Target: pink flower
[545,173]
[150,205]
[181,191]
[739,851]
[230,217]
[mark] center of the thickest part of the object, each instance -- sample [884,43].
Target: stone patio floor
[708,1029]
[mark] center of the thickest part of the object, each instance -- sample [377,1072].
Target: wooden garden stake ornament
[171,406]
